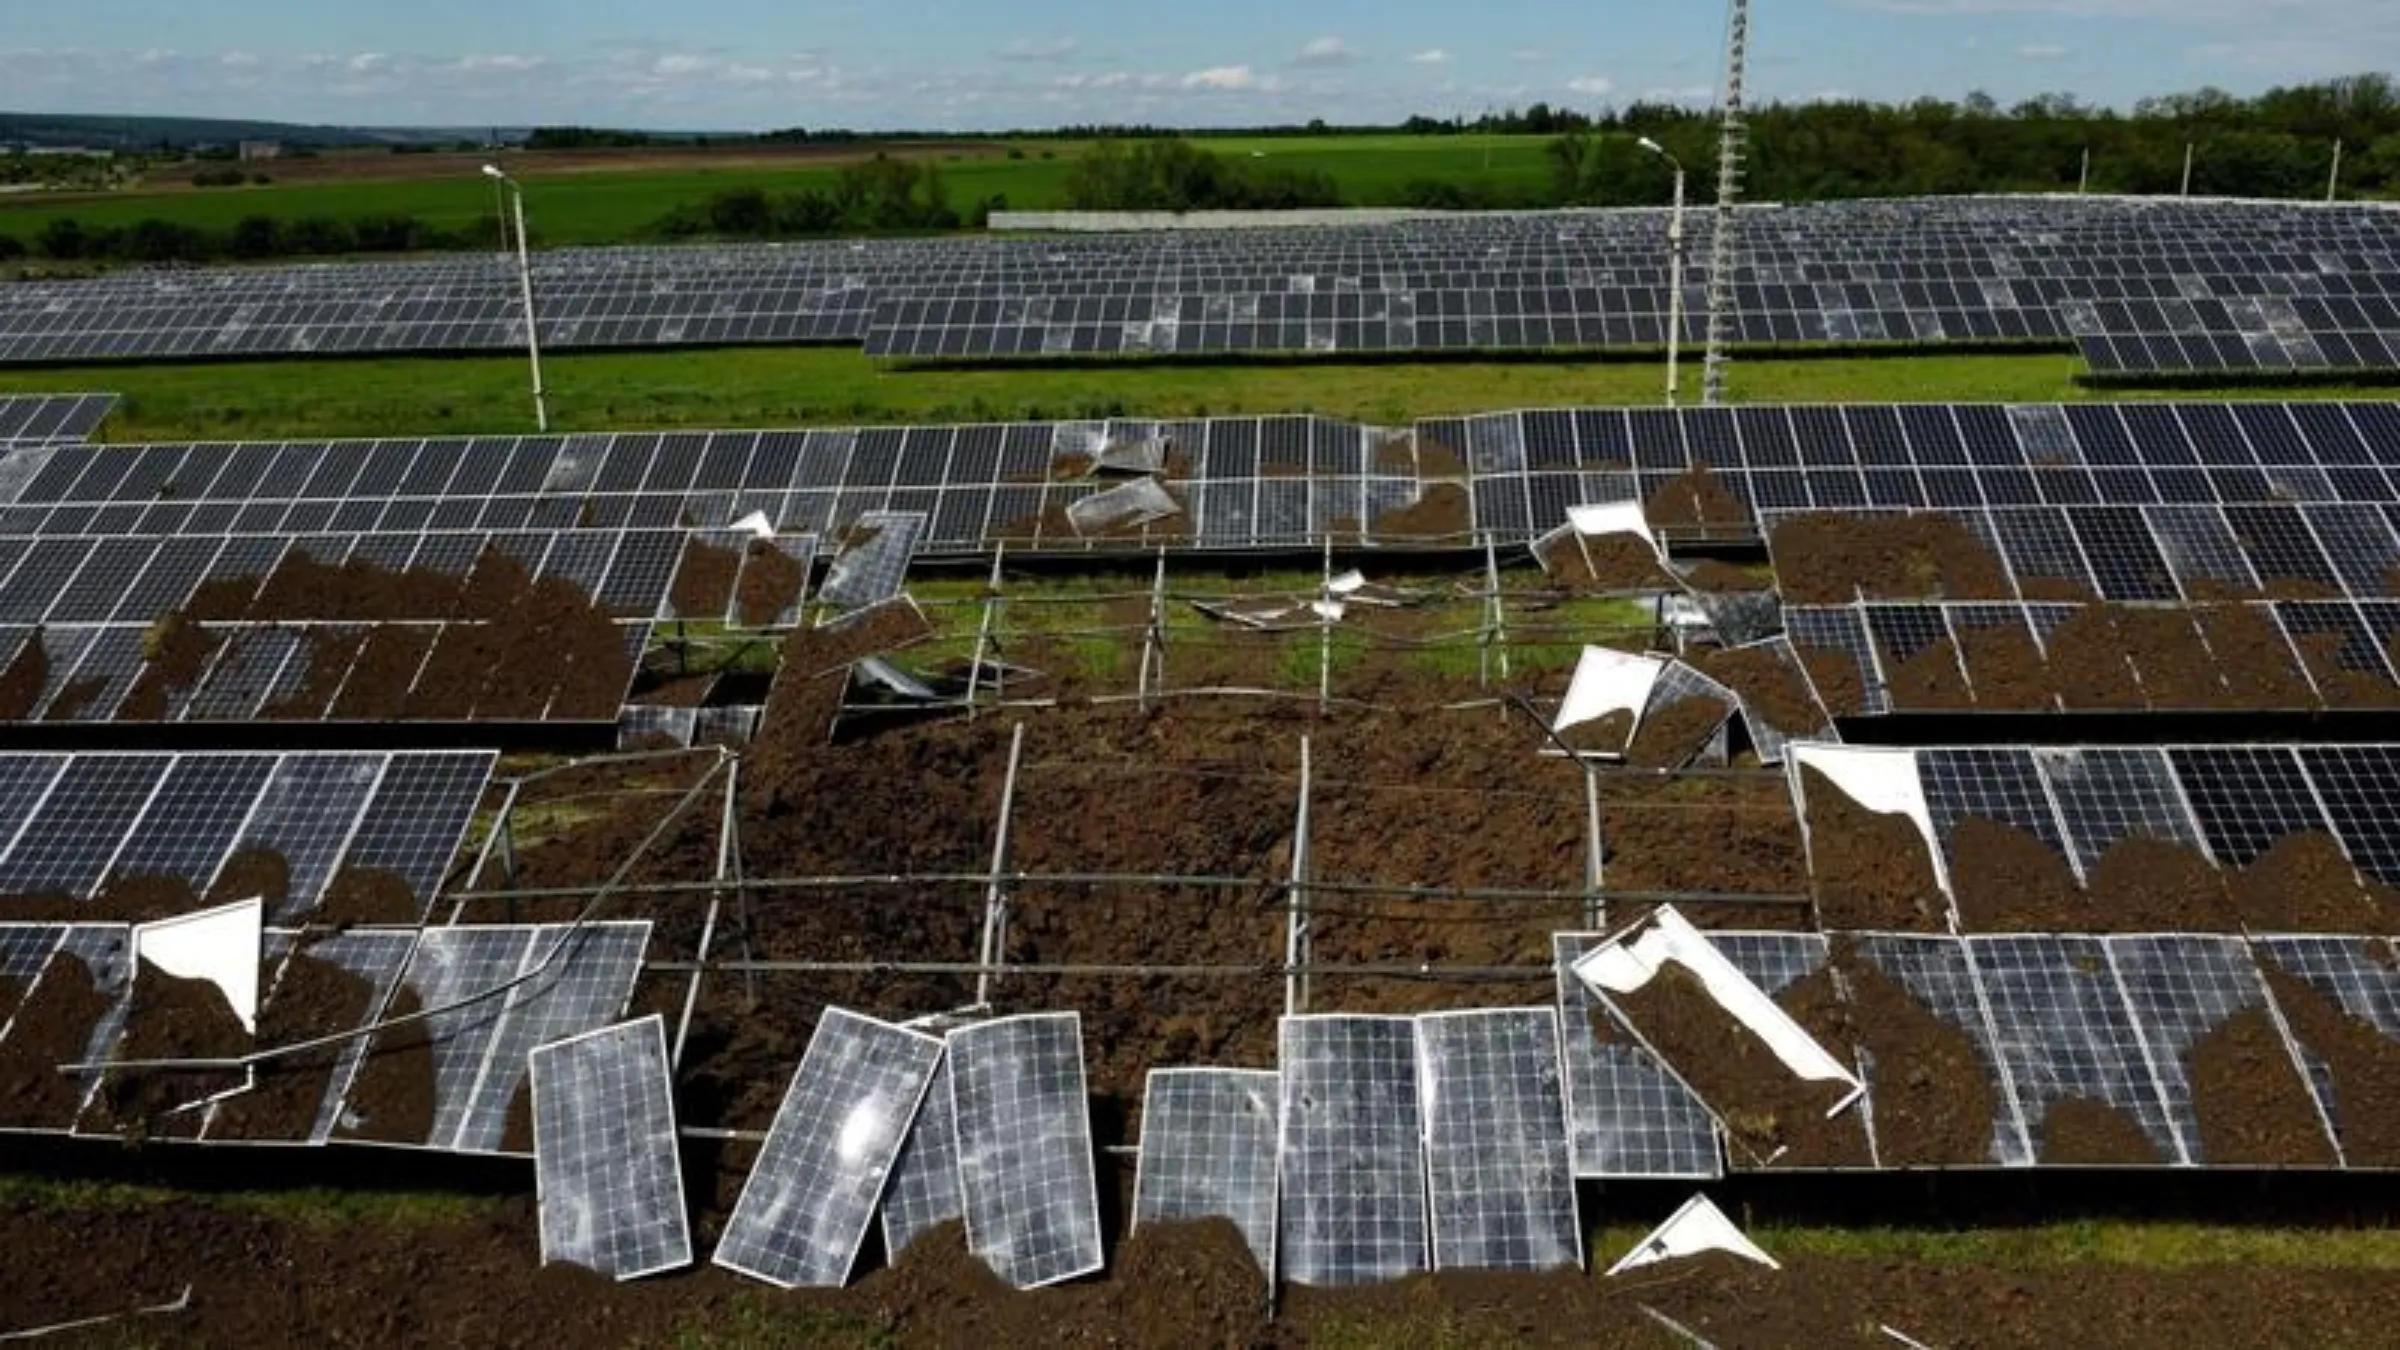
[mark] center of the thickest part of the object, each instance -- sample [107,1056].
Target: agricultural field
[590,200]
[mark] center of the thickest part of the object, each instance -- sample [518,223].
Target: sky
[995,64]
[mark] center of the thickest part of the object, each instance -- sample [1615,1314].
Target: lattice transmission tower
[1733,139]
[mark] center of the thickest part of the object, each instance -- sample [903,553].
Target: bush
[64,239]
[219,178]
[256,237]
[11,248]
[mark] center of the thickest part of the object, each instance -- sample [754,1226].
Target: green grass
[601,206]
[817,386]
[312,1208]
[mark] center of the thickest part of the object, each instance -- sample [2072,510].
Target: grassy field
[604,207]
[787,387]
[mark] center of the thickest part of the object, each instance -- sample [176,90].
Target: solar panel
[2105,797]
[1936,973]
[873,562]
[2003,786]
[66,845]
[574,980]
[923,1194]
[1353,1152]
[376,959]
[412,826]
[2181,990]
[1208,1152]
[1025,1163]
[1628,1116]
[2066,1036]
[1500,1180]
[804,1212]
[608,1173]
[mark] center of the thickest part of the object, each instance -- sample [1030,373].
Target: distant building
[253,151]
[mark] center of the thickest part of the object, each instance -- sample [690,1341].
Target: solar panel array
[805,1210]
[608,1169]
[2179,280]
[78,823]
[37,419]
[2229,804]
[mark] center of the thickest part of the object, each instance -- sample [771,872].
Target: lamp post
[533,339]
[1674,277]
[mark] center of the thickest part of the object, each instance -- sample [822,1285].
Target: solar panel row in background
[42,418]
[1908,272]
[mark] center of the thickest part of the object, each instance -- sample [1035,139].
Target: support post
[983,636]
[2333,185]
[1325,634]
[1154,637]
[2083,179]
[2190,154]
[1296,938]
[995,896]
[1595,909]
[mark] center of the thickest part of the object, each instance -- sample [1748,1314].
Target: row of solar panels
[77,824]
[37,419]
[492,995]
[1508,284]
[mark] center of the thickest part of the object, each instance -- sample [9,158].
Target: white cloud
[367,63]
[498,63]
[1432,56]
[1591,86]
[1040,49]
[2041,51]
[239,60]
[1326,51]
[1530,56]
[1222,78]
[681,65]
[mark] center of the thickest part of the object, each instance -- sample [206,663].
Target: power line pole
[1732,140]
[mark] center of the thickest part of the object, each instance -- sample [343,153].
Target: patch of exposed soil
[2305,885]
[1722,836]
[331,653]
[369,897]
[1931,1085]
[1768,686]
[1669,738]
[2175,667]
[1699,501]
[1610,563]
[2340,686]
[2253,659]
[2253,1107]
[770,587]
[1869,871]
[1771,1115]
[169,1019]
[2006,668]
[1931,680]
[391,1099]
[1829,558]
[53,1026]
[311,999]
[253,873]
[77,696]
[178,653]
[2088,665]
[703,588]
[1837,678]
[2363,1063]
[2079,1132]
[384,672]
[22,683]
[2147,885]
[1442,511]
[2008,881]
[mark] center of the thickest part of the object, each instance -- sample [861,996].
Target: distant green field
[833,387]
[606,207]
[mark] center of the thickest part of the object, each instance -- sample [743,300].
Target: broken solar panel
[1120,509]
[805,1210]
[2001,786]
[2066,1037]
[2182,989]
[1500,1183]
[2354,975]
[799,551]
[923,1194]
[1026,1176]
[872,564]
[1934,971]
[1208,1152]
[572,979]
[105,954]
[1353,1152]
[2106,797]
[608,1171]
[1628,1116]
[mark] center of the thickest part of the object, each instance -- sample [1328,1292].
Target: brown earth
[1771,1115]
[74,698]
[2363,1063]
[1930,1083]
[1719,836]
[310,999]
[2008,881]
[1670,737]
[1610,564]
[260,1280]
[178,653]
[386,668]
[2088,665]
[2253,659]
[2146,885]
[391,1099]
[703,588]
[170,1019]
[2006,667]
[2338,685]
[2078,1132]
[1721,578]
[1837,678]
[1869,871]
[63,1010]
[2253,1107]
[1443,511]
[253,873]
[1769,687]
[1829,558]
[119,900]
[2304,885]
[770,587]
[2175,667]
[22,683]
[1699,501]
[369,897]
[1932,680]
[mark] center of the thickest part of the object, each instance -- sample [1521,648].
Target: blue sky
[740,64]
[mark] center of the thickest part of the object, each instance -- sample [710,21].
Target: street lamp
[533,340]
[1674,276]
